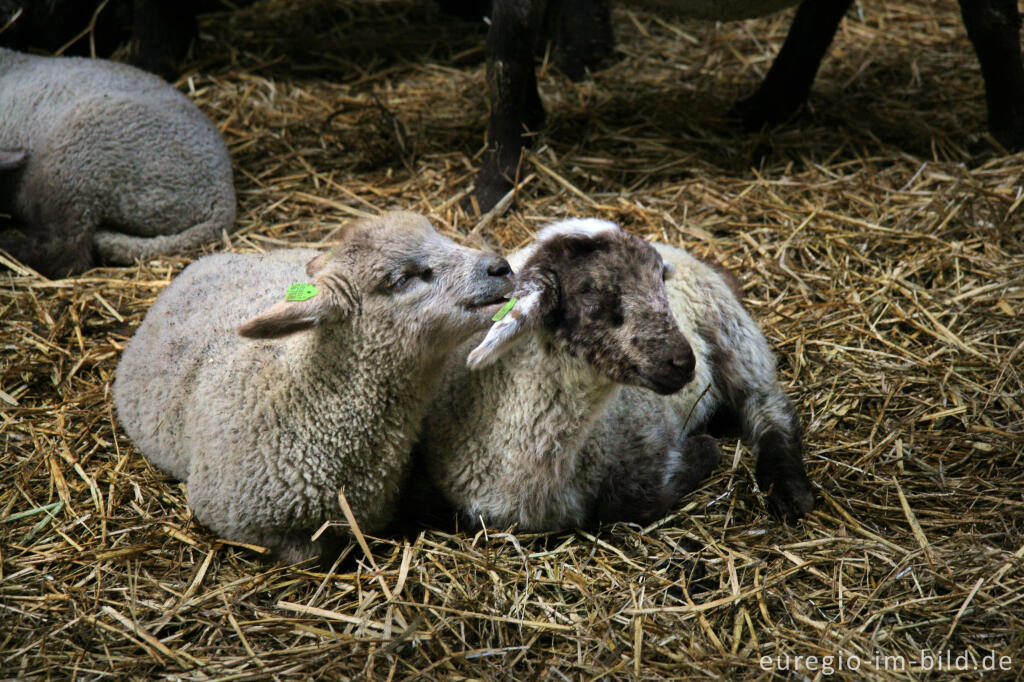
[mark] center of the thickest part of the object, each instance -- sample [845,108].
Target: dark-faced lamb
[266,404]
[102,159]
[591,400]
[519,26]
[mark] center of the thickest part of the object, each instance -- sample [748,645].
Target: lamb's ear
[304,307]
[317,264]
[524,317]
[12,158]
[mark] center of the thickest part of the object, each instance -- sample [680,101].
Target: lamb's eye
[410,273]
[607,311]
[400,282]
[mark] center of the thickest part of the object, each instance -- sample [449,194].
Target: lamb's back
[35,92]
[189,334]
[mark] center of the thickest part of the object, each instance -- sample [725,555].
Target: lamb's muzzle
[497,288]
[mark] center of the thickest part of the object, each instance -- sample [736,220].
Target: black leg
[49,230]
[470,10]
[581,33]
[768,425]
[515,104]
[994,29]
[162,31]
[774,432]
[788,82]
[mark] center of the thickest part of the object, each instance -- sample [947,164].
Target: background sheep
[518,27]
[266,432]
[105,158]
[552,430]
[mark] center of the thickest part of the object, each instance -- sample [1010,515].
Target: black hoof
[790,500]
[762,111]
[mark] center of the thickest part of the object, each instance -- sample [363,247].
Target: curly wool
[117,163]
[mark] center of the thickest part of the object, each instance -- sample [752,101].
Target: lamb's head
[599,292]
[394,276]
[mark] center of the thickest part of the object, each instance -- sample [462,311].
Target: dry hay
[885,262]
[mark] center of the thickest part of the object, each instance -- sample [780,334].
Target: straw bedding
[880,245]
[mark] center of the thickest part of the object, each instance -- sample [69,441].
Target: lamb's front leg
[516,109]
[57,246]
[771,428]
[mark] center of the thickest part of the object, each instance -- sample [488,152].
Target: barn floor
[880,242]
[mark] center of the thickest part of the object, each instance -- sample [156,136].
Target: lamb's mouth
[487,304]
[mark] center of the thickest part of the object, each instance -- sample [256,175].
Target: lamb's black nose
[685,362]
[498,267]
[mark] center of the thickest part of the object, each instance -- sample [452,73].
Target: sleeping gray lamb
[101,158]
[590,399]
[267,407]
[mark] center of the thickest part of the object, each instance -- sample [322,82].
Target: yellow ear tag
[300,291]
[504,310]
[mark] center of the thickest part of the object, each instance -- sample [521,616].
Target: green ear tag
[300,291]
[504,310]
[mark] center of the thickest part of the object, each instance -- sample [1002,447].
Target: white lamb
[329,395]
[97,156]
[560,424]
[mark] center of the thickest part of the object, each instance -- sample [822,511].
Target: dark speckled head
[600,292]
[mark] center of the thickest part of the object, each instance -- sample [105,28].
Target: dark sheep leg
[515,104]
[162,31]
[581,34]
[994,29]
[470,10]
[788,83]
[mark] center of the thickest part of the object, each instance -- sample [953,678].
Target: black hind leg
[994,29]
[788,83]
